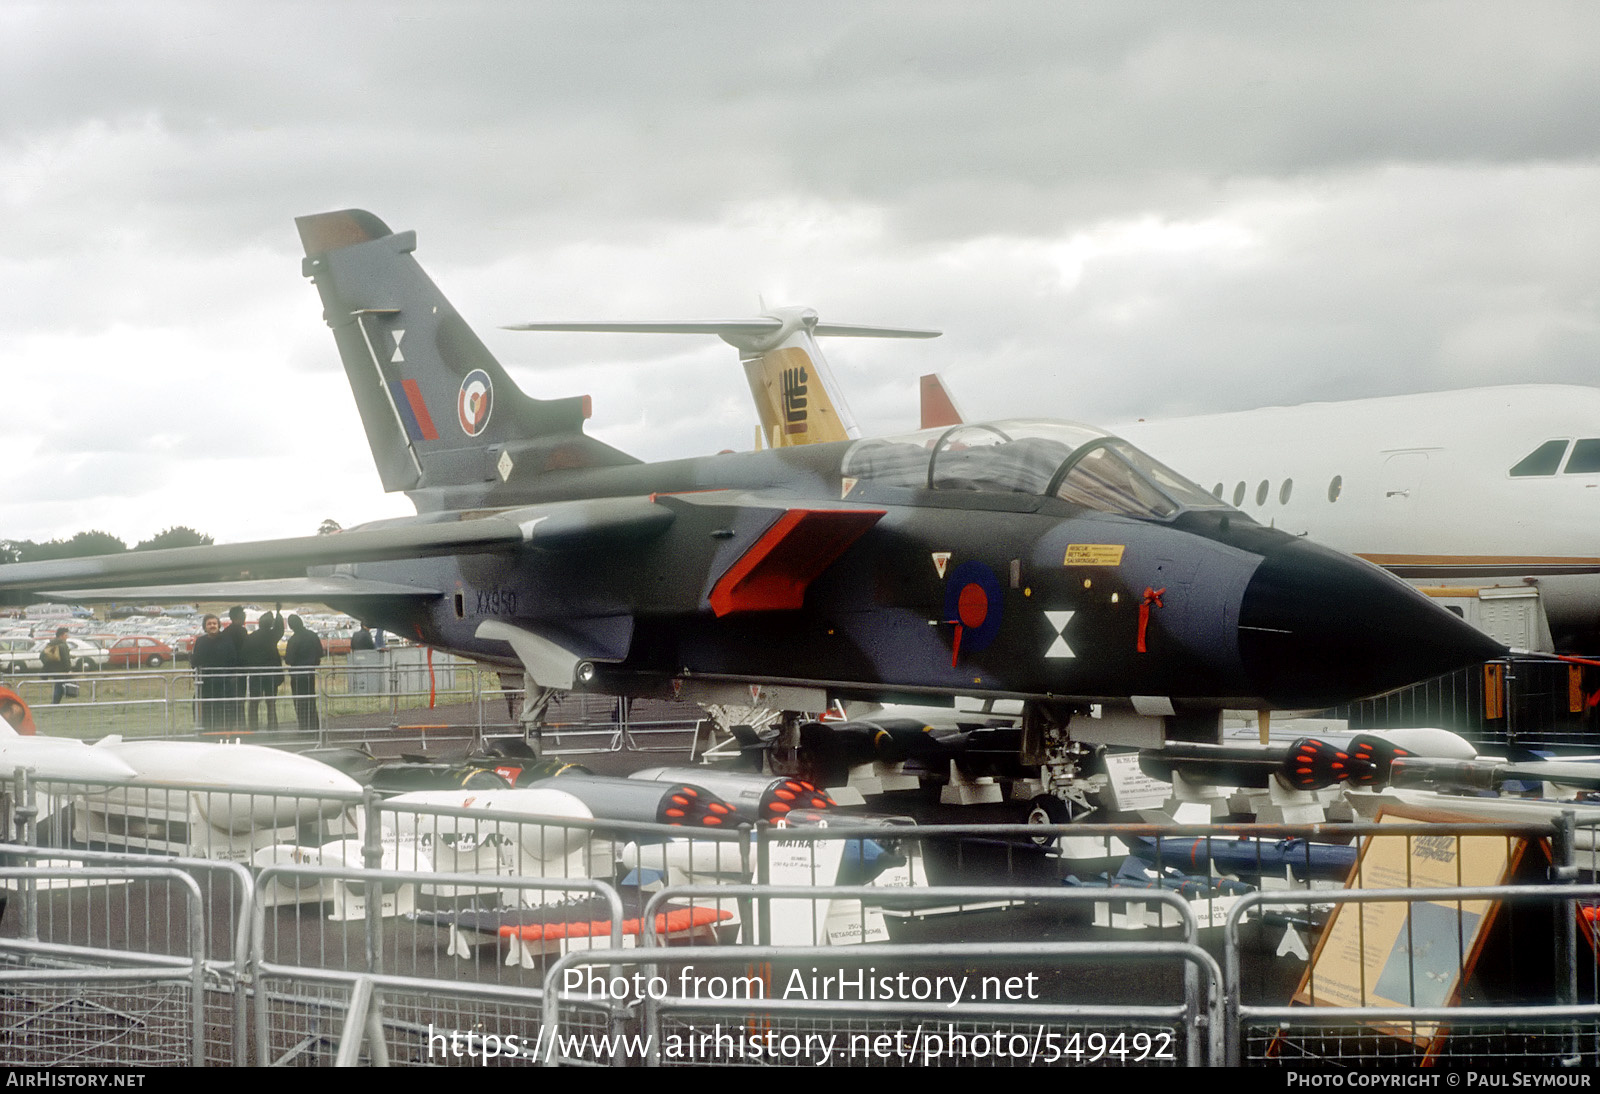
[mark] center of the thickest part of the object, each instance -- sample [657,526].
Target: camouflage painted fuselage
[942,592]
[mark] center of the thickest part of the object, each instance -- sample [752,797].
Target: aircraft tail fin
[442,417]
[938,407]
[797,399]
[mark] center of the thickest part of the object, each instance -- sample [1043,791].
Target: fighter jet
[1037,560]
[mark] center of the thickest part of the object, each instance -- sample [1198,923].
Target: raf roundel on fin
[475,402]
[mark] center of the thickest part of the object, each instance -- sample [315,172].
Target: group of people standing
[238,669]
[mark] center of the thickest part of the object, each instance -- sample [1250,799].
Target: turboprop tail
[797,399]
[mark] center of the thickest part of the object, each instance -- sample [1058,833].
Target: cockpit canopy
[1067,460]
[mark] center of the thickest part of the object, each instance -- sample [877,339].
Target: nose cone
[1318,628]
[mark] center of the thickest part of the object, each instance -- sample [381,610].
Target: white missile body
[275,789]
[59,758]
[538,842]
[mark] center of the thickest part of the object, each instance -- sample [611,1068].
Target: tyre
[155,660]
[1047,809]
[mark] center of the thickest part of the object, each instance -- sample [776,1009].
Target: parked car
[15,651]
[86,655]
[137,650]
[336,642]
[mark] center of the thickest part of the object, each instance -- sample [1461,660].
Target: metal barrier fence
[1006,1012]
[1369,1029]
[73,1003]
[140,703]
[320,1014]
[397,690]
[1513,701]
[365,929]
[769,1021]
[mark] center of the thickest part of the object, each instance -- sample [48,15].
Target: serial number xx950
[497,602]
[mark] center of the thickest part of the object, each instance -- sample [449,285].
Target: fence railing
[350,927]
[398,690]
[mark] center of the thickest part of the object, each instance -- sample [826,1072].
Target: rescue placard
[1094,554]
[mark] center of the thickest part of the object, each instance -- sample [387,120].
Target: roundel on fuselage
[973,598]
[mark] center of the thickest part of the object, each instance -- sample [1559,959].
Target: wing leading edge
[558,526]
[321,590]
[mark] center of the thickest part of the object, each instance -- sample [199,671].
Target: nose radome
[1318,628]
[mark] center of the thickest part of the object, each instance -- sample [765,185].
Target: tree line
[97,543]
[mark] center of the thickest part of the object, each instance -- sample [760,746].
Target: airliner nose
[1318,628]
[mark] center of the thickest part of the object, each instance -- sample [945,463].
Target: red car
[131,653]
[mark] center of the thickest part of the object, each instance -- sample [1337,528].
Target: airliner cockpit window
[1076,463]
[1585,458]
[1541,461]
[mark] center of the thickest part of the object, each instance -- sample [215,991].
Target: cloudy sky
[1113,210]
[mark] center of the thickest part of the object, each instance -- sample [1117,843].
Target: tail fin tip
[324,232]
[937,405]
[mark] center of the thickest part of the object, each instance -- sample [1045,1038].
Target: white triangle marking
[1059,620]
[399,334]
[940,560]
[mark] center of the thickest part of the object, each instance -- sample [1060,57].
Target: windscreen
[1077,463]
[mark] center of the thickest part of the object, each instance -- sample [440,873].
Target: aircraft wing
[318,589]
[727,552]
[557,526]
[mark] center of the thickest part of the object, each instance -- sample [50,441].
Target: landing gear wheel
[1048,809]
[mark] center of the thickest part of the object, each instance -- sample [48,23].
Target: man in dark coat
[216,660]
[235,633]
[57,660]
[303,654]
[265,668]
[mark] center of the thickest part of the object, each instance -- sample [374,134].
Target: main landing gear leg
[547,669]
[535,706]
[1061,792]
[526,706]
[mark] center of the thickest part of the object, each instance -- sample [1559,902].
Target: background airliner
[1494,486]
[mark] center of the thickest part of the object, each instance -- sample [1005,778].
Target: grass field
[161,702]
